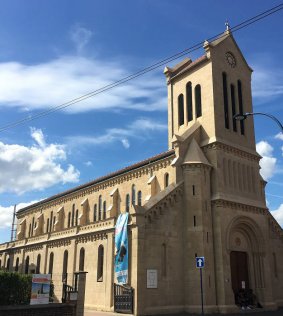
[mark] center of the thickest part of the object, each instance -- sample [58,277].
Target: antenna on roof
[14,226]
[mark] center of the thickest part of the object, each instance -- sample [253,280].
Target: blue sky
[54,51]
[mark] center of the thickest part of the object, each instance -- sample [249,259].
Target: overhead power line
[141,72]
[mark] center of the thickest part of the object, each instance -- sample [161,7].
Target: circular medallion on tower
[231,60]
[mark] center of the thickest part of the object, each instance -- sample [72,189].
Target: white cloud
[80,36]
[279,136]
[125,143]
[267,83]
[37,167]
[6,214]
[268,162]
[278,215]
[40,86]
[140,128]
[88,163]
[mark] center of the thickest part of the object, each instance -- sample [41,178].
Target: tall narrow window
[29,230]
[51,221]
[65,266]
[47,225]
[82,260]
[27,265]
[189,101]
[104,210]
[99,207]
[133,194]
[95,213]
[69,219]
[164,260]
[54,222]
[100,264]
[32,226]
[225,100]
[17,264]
[233,101]
[139,198]
[181,109]
[195,221]
[166,180]
[37,270]
[198,101]
[77,217]
[241,108]
[51,260]
[127,202]
[73,215]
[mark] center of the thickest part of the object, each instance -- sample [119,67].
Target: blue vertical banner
[121,249]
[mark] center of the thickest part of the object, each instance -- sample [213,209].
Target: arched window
[189,101]
[27,265]
[241,108]
[139,198]
[181,109]
[29,231]
[77,217]
[47,225]
[82,260]
[100,264]
[198,100]
[95,213]
[8,264]
[65,267]
[127,202]
[51,260]
[99,207]
[73,215]
[133,194]
[17,264]
[233,101]
[104,210]
[225,100]
[37,270]
[69,219]
[166,180]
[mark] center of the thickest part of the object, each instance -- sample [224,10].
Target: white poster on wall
[151,278]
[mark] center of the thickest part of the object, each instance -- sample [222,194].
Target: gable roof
[101,179]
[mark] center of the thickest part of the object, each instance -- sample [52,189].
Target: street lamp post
[242,117]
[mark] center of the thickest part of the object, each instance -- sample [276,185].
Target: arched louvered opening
[198,104]
[181,109]
[189,96]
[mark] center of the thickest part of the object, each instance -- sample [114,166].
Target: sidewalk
[246,312]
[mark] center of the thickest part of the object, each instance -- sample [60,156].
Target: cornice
[236,206]
[231,150]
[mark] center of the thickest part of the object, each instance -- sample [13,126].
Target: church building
[203,197]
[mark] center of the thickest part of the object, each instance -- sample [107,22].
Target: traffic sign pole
[200,266]
[201,291]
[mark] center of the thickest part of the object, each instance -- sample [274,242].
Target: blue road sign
[199,262]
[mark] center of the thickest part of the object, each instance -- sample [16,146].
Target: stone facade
[203,197]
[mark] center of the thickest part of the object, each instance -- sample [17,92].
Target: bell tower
[210,91]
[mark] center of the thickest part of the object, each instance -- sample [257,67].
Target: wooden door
[239,270]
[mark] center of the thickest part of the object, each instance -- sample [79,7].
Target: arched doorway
[245,245]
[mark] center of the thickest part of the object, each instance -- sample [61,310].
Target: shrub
[15,288]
